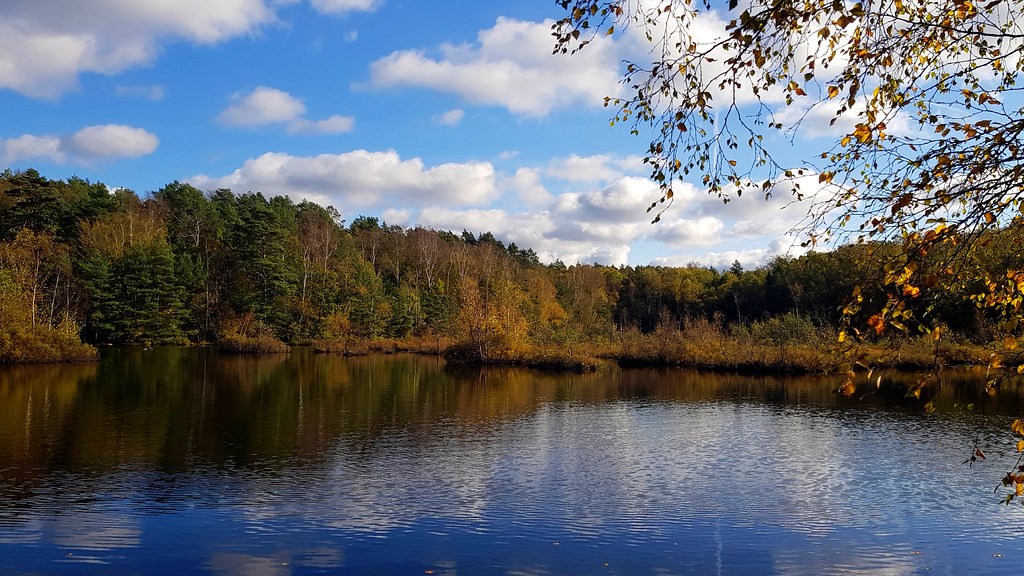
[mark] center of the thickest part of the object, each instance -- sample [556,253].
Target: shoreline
[722,354]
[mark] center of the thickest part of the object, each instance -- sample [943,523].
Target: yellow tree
[547,315]
[492,306]
[33,268]
[27,260]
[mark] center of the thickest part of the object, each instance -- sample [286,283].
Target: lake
[182,461]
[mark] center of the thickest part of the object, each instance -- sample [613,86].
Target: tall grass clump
[247,335]
[44,344]
[779,344]
[533,356]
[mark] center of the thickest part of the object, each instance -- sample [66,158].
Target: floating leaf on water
[1018,426]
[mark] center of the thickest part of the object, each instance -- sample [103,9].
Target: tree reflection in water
[179,457]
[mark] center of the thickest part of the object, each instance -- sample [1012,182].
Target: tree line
[79,260]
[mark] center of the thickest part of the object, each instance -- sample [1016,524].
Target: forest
[84,265]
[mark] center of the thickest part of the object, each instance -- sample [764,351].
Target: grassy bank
[43,345]
[783,345]
[715,349]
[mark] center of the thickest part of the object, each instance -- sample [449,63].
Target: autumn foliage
[256,274]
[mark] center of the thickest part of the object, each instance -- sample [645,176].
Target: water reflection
[178,460]
[97,531]
[179,408]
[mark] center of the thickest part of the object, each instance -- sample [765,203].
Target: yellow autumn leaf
[862,133]
[1020,489]
[833,91]
[1018,426]
[1020,446]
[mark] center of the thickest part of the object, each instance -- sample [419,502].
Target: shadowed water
[178,460]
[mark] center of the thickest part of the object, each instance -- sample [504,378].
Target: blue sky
[443,114]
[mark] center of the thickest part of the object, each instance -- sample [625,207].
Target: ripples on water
[186,462]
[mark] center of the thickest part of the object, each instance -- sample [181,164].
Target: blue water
[399,465]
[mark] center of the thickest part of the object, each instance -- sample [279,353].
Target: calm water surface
[180,461]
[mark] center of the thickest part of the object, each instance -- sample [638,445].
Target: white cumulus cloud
[46,44]
[783,246]
[262,106]
[106,142]
[29,147]
[361,179]
[595,226]
[511,66]
[702,231]
[526,183]
[333,125]
[113,141]
[596,168]
[606,224]
[450,118]
[267,106]
[344,6]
